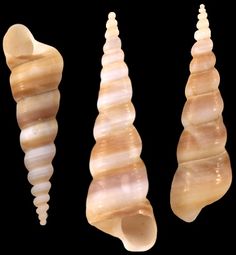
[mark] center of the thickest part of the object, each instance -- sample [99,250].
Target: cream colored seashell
[116,201]
[204,172]
[36,73]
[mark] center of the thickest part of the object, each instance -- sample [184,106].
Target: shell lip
[135,226]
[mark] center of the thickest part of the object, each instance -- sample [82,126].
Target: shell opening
[18,41]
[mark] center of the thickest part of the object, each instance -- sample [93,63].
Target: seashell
[204,171]
[36,71]
[116,201]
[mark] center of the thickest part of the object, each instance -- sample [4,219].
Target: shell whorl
[36,71]
[204,172]
[116,201]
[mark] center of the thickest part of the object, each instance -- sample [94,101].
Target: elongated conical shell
[204,172]
[36,73]
[116,202]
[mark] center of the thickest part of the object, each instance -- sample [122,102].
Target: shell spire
[204,171]
[203,30]
[36,71]
[116,201]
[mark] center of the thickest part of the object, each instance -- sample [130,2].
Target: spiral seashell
[204,172]
[36,73]
[116,201]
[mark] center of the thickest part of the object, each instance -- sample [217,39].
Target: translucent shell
[36,71]
[116,201]
[204,172]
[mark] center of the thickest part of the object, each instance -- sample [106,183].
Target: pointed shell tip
[111,15]
[43,222]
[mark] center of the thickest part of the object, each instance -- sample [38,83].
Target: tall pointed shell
[36,73]
[116,201]
[204,172]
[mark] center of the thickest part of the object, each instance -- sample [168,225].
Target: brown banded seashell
[204,171]
[116,201]
[36,71]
